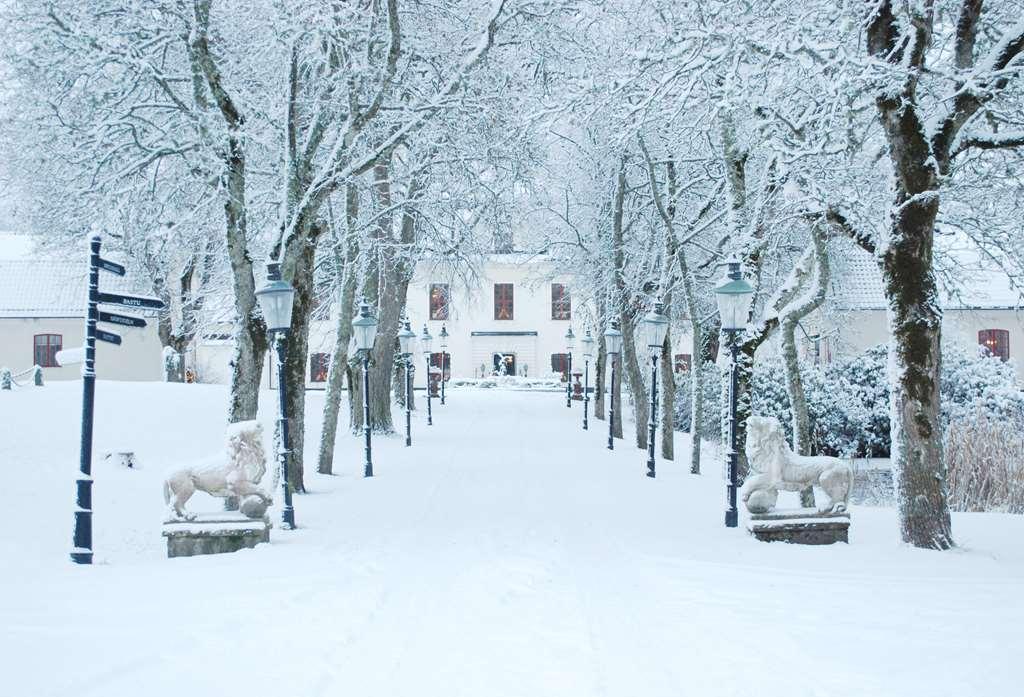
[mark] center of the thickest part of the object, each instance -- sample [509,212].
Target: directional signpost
[82,541]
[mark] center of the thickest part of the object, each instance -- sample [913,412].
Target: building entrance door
[504,363]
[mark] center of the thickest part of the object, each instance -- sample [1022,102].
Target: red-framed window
[442,361]
[440,297]
[997,341]
[503,304]
[45,348]
[559,363]
[319,364]
[561,305]
[681,363]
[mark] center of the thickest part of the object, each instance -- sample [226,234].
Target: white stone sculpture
[778,468]
[238,477]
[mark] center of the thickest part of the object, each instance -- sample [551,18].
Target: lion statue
[238,477]
[780,469]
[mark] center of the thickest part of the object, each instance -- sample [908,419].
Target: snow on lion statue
[238,476]
[779,468]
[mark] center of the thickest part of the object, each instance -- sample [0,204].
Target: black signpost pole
[81,552]
[408,401]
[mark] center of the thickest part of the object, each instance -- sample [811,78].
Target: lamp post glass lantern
[444,357]
[612,347]
[427,345]
[406,339]
[364,329]
[733,295]
[276,298]
[587,344]
[570,344]
[654,328]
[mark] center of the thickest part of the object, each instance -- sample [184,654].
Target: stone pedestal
[800,526]
[214,533]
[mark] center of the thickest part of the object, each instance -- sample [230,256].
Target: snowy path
[506,553]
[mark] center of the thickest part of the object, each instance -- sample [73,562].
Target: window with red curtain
[997,341]
[681,364]
[319,364]
[442,361]
[439,298]
[503,301]
[45,348]
[561,306]
[559,362]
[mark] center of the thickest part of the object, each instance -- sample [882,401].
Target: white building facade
[512,321]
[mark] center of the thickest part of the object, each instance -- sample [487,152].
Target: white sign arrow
[71,356]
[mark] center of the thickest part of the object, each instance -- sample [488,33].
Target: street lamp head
[570,340]
[426,342]
[275,299]
[654,328]
[587,344]
[734,296]
[406,339]
[444,338]
[613,339]
[364,328]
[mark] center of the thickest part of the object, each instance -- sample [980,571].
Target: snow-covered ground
[506,553]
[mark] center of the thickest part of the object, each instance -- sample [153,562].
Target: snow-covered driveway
[506,553]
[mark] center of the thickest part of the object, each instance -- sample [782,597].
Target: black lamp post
[612,347]
[654,327]
[275,300]
[444,357]
[406,338]
[570,344]
[734,296]
[587,343]
[426,344]
[364,329]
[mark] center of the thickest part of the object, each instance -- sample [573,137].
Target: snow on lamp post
[364,329]
[443,336]
[653,327]
[587,344]
[570,344]
[734,296]
[612,347]
[406,339]
[276,298]
[427,344]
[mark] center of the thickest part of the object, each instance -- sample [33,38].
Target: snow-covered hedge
[848,400]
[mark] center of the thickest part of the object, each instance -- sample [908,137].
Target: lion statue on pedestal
[238,477]
[779,468]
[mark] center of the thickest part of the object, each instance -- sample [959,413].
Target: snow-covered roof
[13,246]
[52,288]
[973,285]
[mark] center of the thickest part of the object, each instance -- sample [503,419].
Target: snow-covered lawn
[506,553]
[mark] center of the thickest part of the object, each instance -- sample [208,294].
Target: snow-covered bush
[848,400]
[975,383]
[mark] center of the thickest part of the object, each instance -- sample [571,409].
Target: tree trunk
[696,394]
[668,398]
[300,275]
[250,330]
[599,373]
[635,378]
[797,401]
[915,322]
[345,274]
